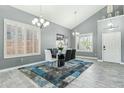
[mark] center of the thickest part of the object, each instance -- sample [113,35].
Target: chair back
[54,52]
[50,50]
[68,55]
[73,53]
[48,55]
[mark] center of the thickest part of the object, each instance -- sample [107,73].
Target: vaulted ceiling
[62,14]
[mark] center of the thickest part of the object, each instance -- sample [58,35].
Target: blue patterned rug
[48,75]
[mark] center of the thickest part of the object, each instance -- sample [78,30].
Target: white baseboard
[86,57]
[122,63]
[100,60]
[12,68]
[16,67]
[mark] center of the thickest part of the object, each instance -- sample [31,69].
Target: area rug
[50,76]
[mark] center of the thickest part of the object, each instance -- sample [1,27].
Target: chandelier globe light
[40,21]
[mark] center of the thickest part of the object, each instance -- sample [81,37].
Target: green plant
[86,43]
[60,48]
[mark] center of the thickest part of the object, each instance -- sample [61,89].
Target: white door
[111,43]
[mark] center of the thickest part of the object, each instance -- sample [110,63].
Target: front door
[111,43]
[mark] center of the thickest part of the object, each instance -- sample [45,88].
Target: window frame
[77,42]
[24,27]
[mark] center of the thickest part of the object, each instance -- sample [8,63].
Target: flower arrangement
[60,46]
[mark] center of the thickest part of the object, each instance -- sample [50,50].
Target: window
[20,39]
[84,42]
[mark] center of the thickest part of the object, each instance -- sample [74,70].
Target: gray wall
[48,36]
[48,39]
[90,25]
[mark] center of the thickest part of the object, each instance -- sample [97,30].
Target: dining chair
[68,55]
[48,57]
[54,52]
[73,53]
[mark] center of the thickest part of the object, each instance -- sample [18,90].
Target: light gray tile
[99,75]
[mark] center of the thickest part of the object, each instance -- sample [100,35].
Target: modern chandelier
[75,33]
[40,21]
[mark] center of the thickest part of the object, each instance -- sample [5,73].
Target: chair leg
[49,64]
[52,63]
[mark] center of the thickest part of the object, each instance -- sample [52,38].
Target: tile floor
[99,75]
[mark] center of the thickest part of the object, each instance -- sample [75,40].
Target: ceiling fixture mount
[40,22]
[111,26]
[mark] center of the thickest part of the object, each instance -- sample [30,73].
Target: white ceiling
[62,14]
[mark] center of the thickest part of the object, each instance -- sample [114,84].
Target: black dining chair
[73,53]
[68,55]
[54,52]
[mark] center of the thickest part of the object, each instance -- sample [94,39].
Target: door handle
[104,47]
